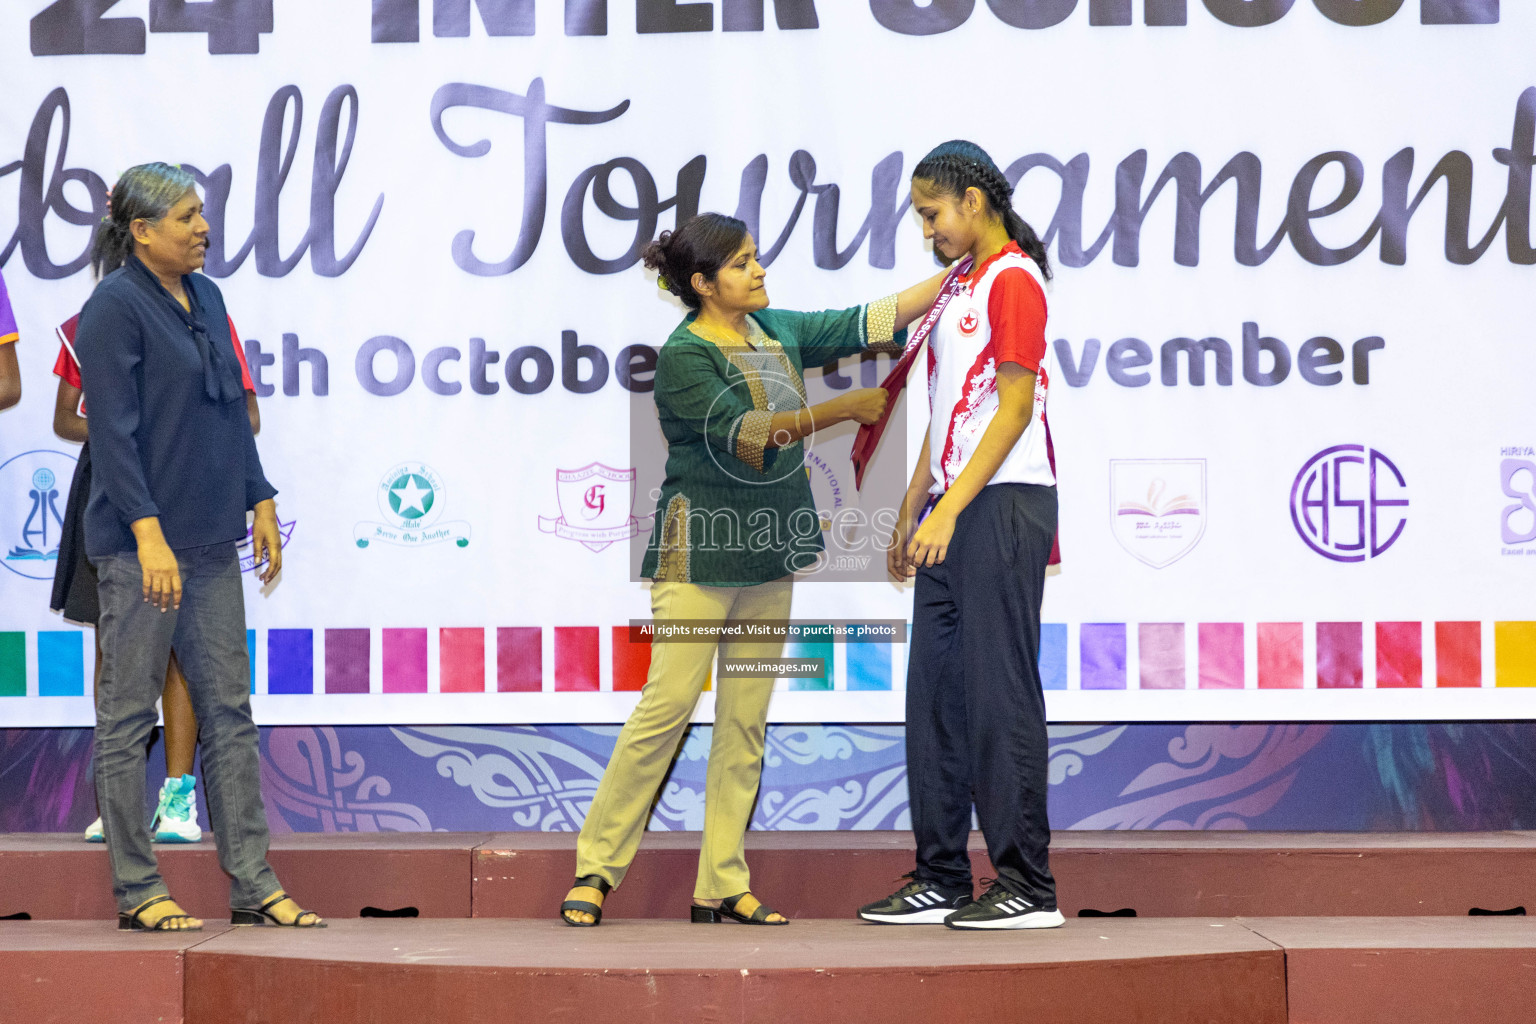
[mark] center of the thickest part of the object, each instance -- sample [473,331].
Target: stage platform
[816,874]
[1152,971]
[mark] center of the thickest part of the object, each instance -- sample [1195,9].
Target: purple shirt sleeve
[8,332]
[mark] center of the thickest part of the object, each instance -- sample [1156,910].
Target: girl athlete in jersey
[975,708]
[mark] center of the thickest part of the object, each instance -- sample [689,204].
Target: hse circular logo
[968,323]
[1349,503]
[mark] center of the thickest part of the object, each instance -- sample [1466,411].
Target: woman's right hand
[162,576]
[866,405]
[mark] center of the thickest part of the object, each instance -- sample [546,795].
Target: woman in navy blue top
[175,471]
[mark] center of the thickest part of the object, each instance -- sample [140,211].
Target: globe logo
[1349,503]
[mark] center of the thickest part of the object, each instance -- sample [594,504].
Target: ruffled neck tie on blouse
[219,380]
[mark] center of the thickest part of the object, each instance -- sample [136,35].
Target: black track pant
[975,708]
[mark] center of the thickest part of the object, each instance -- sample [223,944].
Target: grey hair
[146,192]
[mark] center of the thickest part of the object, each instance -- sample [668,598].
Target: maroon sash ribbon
[868,438]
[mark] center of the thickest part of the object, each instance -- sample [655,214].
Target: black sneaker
[998,908]
[917,902]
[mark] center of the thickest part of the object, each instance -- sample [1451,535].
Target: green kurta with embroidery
[733,511]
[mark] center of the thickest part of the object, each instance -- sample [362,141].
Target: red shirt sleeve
[245,371]
[1016,312]
[67,367]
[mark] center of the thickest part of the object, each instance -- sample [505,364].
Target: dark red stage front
[1230,927]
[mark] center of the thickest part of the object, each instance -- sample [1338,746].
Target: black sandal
[262,915]
[727,911]
[583,906]
[133,920]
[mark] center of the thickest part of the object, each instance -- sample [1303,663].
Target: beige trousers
[649,740]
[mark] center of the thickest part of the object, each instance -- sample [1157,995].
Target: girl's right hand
[866,405]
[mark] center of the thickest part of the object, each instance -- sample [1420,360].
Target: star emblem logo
[969,321]
[411,496]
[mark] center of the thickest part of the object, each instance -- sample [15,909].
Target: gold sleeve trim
[752,437]
[880,325]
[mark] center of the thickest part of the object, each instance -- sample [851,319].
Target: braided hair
[951,168]
[146,192]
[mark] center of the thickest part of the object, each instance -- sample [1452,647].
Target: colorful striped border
[1113,656]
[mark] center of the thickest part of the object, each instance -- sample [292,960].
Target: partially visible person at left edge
[10,373]
[174,471]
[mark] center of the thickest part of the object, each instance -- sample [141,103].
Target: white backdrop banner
[1291,341]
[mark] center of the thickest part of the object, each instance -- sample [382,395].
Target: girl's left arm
[1015,406]
[10,376]
[913,302]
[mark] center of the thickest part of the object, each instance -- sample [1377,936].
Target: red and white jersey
[67,366]
[998,316]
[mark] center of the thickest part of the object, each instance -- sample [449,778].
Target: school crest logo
[596,505]
[411,498]
[1157,507]
[33,489]
[969,322]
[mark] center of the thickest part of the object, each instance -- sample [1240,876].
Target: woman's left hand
[267,540]
[930,543]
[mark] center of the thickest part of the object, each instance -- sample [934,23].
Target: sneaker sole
[934,916]
[172,837]
[1039,919]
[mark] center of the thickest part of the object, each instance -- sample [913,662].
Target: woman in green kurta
[735,521]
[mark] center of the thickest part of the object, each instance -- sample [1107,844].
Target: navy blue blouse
[169,432]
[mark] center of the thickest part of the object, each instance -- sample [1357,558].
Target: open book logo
[1157,507]
[34,487]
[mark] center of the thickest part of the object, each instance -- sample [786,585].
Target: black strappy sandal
[262,915]
[583,906]
[133,920]
[727,911]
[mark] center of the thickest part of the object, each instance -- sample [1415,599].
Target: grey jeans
[208,632]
